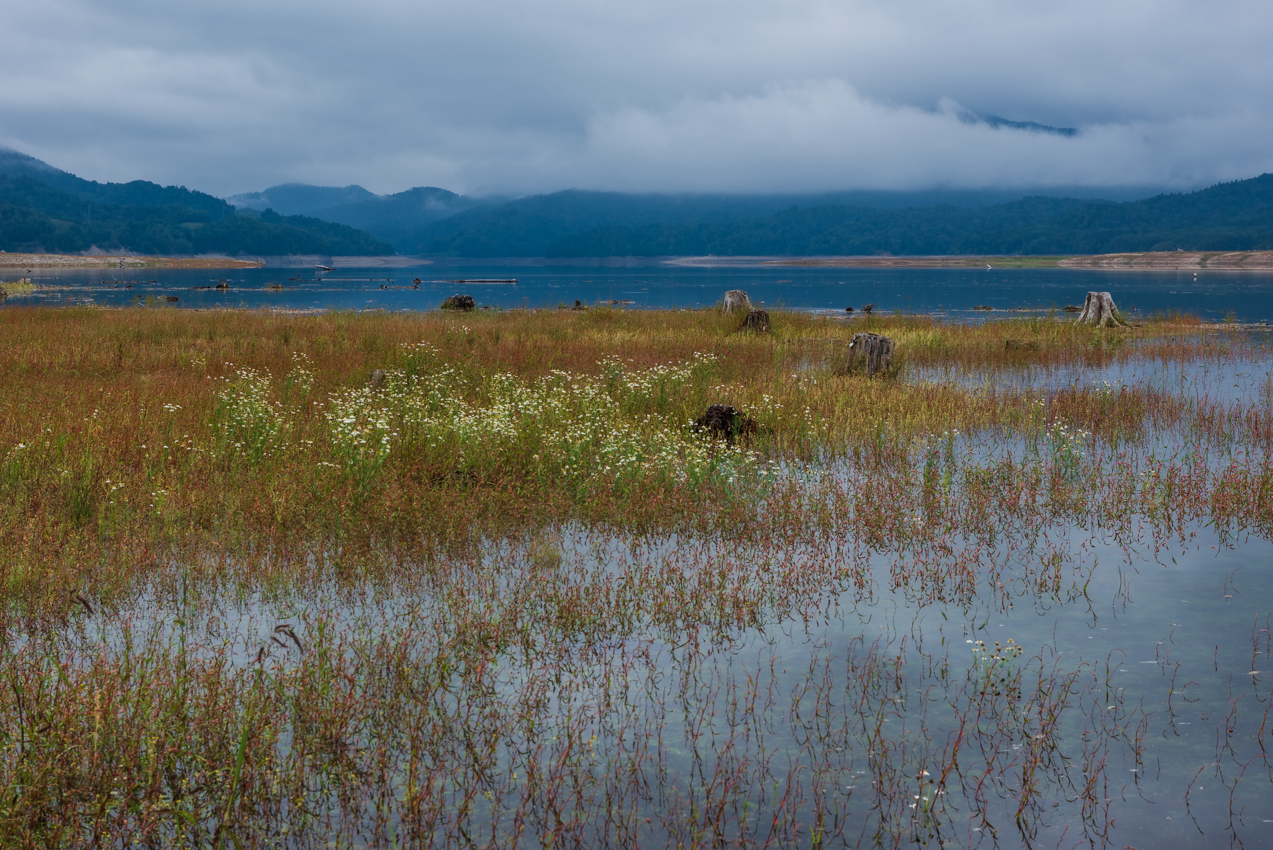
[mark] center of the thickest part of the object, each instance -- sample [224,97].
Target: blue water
[1214,295]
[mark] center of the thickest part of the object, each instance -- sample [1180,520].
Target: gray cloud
[522,96]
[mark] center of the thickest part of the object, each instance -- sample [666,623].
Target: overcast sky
[514,97]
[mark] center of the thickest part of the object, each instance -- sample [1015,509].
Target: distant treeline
[45,209]
[1227,217]
[144,218]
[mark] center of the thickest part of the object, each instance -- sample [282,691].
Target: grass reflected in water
[452,580]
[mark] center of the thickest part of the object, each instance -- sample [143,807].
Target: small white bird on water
[987,265]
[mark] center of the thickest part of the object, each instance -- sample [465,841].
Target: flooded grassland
[477,579]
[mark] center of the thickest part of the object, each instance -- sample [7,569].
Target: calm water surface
[1244,296]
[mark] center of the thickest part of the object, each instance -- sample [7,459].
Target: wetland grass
[505,594]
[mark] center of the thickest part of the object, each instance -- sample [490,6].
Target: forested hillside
[43,209]
[1229,216]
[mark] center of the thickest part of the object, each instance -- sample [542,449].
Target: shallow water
[1213,296]
[822,683]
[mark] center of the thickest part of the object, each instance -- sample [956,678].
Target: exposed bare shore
[1147,261]
[1250,260]
[129,261]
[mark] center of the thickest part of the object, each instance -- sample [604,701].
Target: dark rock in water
[464,303]
[578,305]
[1072,308]
[875,350]
[171,299]
[723,420]
[982,307]
[1020,345]
[757,320]
[275,287]
[868,308]
[377,379]
[848,309]
[223,285]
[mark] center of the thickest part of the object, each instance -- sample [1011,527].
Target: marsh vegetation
[477,579]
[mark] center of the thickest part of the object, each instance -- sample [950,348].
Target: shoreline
[1130,261]
[119,261]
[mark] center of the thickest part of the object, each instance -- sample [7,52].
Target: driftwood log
[875,350]
[757,320]
[463,303]
[736,301]
[1099,311]
[723,420]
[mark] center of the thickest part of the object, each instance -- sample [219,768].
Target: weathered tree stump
[377,379]
[875,350]
[757,320]
[737,301]
[722,420]
[1099,311]
[868,308]
[463,303]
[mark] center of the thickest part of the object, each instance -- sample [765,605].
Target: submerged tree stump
[463,303]
[872,349]
[1099,311]
[757,320]
[736,301]
[723,420]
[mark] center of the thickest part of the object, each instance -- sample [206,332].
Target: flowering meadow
[478,579]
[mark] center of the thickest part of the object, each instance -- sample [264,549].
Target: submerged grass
[278,580]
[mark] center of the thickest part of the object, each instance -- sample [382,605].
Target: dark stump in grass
[723,420]
[757,320]
[463,303]
[872,351]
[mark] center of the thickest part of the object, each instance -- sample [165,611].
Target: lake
[1213,295]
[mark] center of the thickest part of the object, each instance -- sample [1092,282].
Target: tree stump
[722,420]
[737,301]
[757,320]
[1099,311]
[875,350]
[463,303]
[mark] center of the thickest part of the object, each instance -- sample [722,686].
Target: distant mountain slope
[45,209]
[393,217]
[138,192]
[301,198]
[532,226]
[1230,216]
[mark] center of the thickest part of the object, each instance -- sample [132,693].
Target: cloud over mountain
[515,96]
